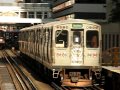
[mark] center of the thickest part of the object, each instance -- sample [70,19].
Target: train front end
[77,53]
[2,40]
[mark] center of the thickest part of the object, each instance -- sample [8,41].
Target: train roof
[60,22]
[70,21]
[13,31]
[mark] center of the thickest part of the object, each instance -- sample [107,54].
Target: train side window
[92,39]
[61,38]
[46,35]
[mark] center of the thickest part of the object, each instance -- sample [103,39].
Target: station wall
[110,35]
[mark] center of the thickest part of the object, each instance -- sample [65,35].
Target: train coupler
[74,79]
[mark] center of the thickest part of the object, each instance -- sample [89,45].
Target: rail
[111,57]
[23,79]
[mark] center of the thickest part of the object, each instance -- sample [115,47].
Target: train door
[77,47]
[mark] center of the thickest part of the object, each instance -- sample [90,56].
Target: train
[68,51]
[2,39]
[11,39]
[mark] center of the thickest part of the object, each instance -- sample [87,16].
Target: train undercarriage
[78,77]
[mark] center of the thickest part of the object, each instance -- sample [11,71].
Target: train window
[92,39]
[61,38]
[46,34]
[76,37]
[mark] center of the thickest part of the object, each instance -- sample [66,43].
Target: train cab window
[76,37]
[92,39]
[61,38]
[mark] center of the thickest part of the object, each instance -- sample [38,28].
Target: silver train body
[70,49]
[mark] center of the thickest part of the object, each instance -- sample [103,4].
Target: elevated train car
[2,39]
[68,50]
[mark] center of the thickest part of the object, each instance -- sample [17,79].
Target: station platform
[112,77]
[112,69]
[6,82]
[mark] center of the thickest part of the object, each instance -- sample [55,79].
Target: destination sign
[77,25]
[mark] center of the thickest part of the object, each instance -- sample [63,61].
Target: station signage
[9,14]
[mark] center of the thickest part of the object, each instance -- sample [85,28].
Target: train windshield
[61,38]
[76,37]
[92,39]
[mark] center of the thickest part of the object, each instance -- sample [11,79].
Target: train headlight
[61,78]
[1,40]
[90,77]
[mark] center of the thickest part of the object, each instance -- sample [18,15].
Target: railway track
[94,87]
[20,79]
[33,76]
